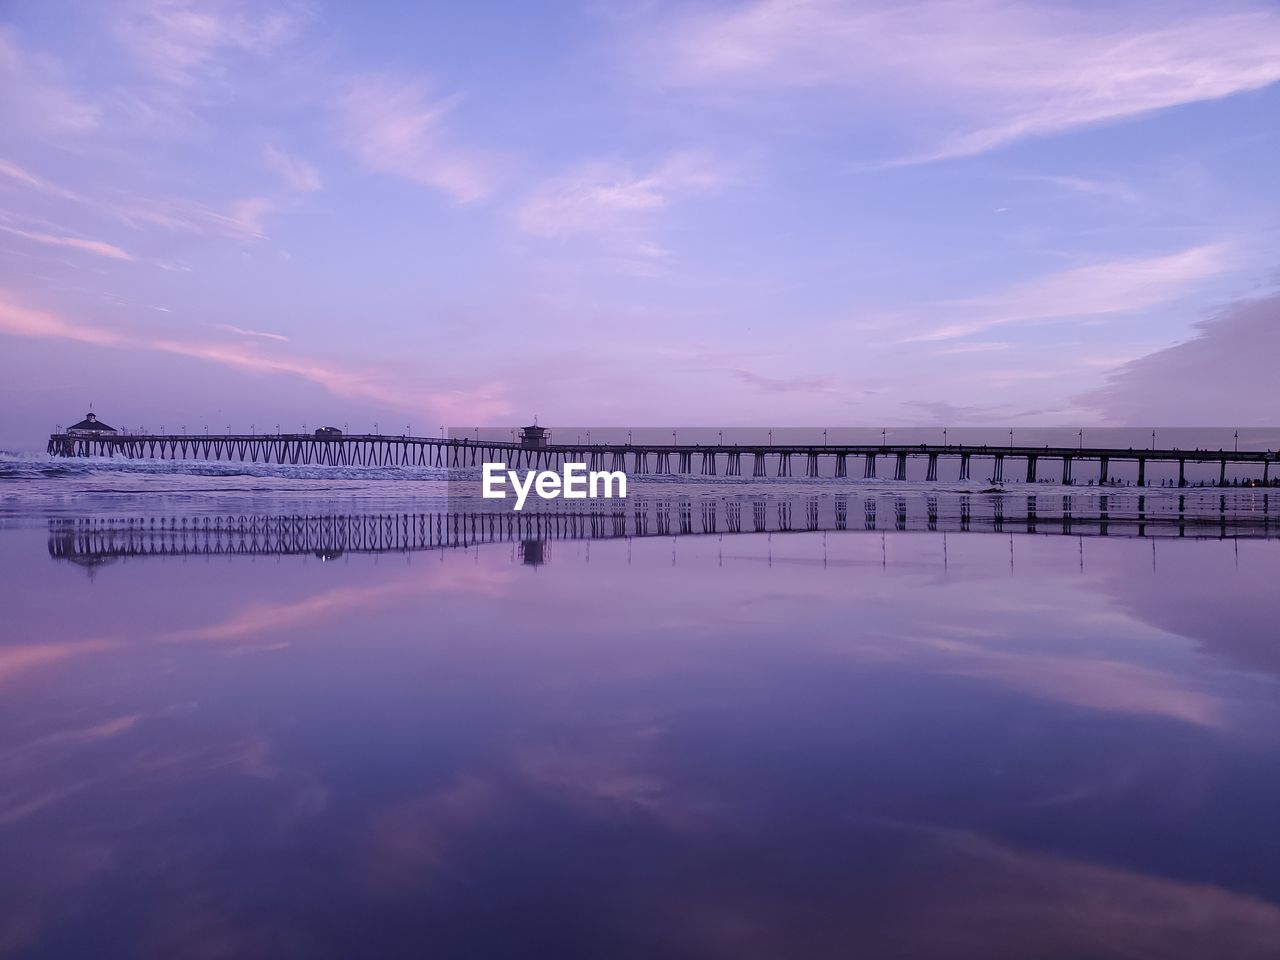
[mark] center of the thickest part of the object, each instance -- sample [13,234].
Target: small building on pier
[533,436]
[91,426]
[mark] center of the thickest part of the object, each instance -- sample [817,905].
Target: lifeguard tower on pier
[534,436]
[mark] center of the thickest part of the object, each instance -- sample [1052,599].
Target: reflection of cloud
[267,618]
[1080,680]
[1090,682]
[18,658]
[25,768]
[413,839]
[969,896]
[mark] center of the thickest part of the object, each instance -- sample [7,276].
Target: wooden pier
[1067,465]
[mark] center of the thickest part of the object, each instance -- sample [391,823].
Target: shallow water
[343,722]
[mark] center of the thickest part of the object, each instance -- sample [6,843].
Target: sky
[234,215]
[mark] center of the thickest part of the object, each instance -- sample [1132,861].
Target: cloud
[478,404]
[395,127]
[784,384]
[296,172]
[230,328]
[180,42]
[111,251]
[244,220]
[611,197]
[1225,374]
[28,179]
[1116,286]
[1106,189]
[34,95]
[979,74]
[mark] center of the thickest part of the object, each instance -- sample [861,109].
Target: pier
[958,462]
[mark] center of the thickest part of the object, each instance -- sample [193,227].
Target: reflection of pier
[836,461]
[94,540]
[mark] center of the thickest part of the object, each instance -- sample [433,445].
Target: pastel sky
[774,211]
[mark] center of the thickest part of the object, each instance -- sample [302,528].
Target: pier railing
[994,463]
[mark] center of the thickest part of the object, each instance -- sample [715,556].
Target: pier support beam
[1031,468]
[758,467]
[1066,471]
[997,473]
[932,473]
[1142,471]
[964,466]
[1182,473]
[900,469]
[1222,473]
[869,471]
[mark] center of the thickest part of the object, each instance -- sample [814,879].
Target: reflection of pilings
[97,539]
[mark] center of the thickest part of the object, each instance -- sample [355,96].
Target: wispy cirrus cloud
[243,219]
[395,126]
[25,178]
[611,197]
[182,42]
[96,247]
[480,403]
[35,95]
[297,173]
[261,334]
[979,74]
[1112,287]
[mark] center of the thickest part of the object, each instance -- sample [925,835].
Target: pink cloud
[484,403]
[395,127]
[109,250]
[296,172]
[982,73]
